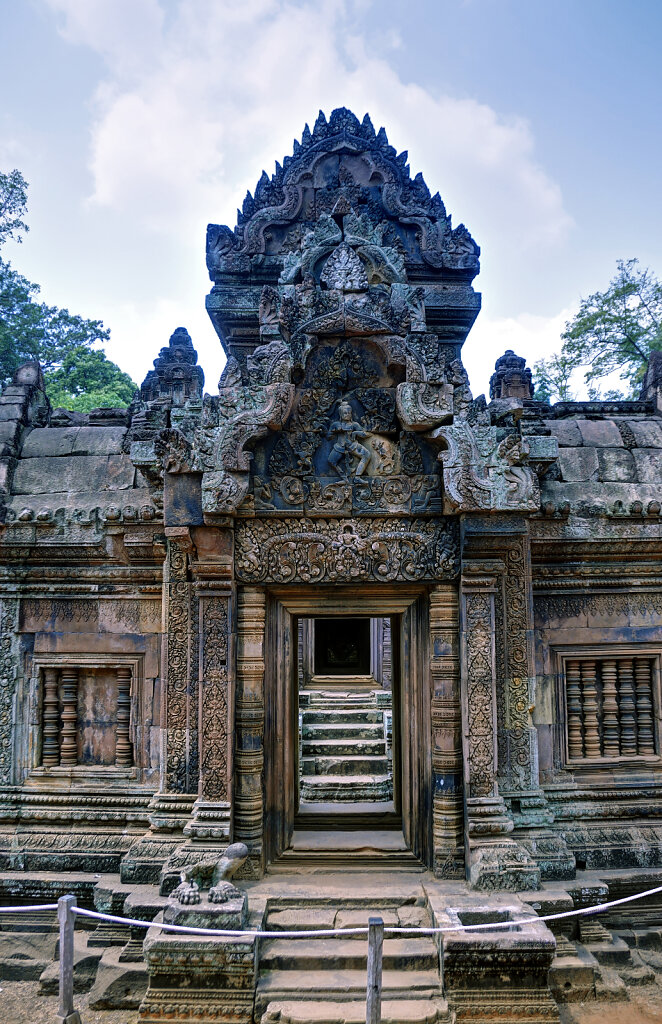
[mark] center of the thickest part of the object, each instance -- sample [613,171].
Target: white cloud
[534,337]
[197,96]
[196,103]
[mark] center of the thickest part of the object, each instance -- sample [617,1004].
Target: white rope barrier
[252,933]
[28,908]
[376,930]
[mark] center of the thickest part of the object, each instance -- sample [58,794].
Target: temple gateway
[339,632]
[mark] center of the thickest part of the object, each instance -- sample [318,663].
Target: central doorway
[345,682]
[327,657]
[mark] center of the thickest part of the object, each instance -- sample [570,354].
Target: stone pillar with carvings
[493,859]
[211,821]
[448,804]
[505,540]
[249,722]
[181,712]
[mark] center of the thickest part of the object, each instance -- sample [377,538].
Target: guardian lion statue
[212,874]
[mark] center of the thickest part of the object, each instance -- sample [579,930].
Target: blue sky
[137,121]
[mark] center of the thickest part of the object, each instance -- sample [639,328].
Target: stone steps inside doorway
[344,754]
[313,850]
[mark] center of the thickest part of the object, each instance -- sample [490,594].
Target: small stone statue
[348,431]
[212,874]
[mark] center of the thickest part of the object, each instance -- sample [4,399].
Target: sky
[136,122]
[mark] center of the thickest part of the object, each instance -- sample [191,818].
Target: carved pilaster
[249,718]
[50,745]
[181,730]
[448,806]
[506,541]
[493,860]
[123,746]
[212,810]
[69,716]
[8,673]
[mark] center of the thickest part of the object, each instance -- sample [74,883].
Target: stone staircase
[310,981]
[344,752]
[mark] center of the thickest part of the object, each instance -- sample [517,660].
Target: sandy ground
[20,1003]
[644,1007]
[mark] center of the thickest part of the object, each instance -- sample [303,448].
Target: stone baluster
[644,692]
[611,746]
[50,745]
[69,716]
[590,709]
[574,698]
[626,707]
[123,748]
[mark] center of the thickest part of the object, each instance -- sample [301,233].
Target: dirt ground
[20,1003]
[644,1007]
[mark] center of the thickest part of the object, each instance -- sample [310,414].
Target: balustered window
[86,716]
[611,706]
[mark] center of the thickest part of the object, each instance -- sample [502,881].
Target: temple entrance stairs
[344,749]
[309,981]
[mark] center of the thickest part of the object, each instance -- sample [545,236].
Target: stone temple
[401,643]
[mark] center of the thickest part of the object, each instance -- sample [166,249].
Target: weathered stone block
[566,432]
[616,464]
[47,442]
[579,464]
[73,473]
[649,464]
[600,433]
[648,433]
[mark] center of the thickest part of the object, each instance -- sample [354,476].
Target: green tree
[87,380]
[614,331]
[30,329]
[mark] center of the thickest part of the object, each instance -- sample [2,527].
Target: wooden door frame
[413,759]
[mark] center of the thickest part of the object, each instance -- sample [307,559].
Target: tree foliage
[30,329]
[87,380]
[613,332]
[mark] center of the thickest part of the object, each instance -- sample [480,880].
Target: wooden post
[373,1006]
[66,1013]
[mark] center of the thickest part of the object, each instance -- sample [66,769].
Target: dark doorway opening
[346,743]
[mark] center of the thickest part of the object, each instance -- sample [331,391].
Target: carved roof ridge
[343,124]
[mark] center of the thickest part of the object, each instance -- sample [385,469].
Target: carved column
[249,719]
[50,742]
[493,860]
[69,716]
[211,819]
[610,709]
[181,775]
[590,710]
[448,804]
[506,538]
[123,746]
[627,707]
[574,705]
[644,692]
[8,674]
